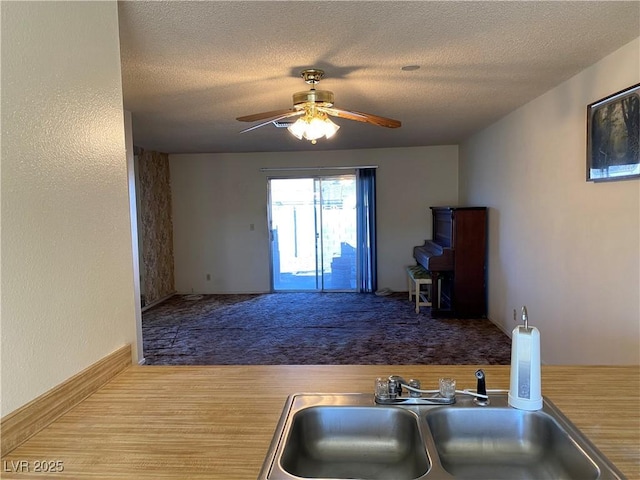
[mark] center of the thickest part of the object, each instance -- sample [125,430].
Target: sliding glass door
[313,233]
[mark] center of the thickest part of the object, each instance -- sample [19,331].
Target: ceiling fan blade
[275,119]
[264,115]
[362,117]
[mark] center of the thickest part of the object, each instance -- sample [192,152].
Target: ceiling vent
[282,124]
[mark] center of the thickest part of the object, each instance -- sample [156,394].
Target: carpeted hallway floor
[313,328]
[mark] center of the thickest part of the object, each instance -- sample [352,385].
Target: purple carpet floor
[314,329]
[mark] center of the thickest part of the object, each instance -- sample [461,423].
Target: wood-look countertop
[216,422]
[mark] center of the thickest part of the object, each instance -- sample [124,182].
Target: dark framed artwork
[613,136]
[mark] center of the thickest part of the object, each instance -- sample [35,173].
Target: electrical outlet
[252,227]
[209,279]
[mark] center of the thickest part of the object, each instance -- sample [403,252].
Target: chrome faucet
[389,392]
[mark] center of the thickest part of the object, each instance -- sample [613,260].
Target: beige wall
[567,248]
[216,197]
[67,283]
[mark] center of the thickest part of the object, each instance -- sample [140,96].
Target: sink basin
[355,442]
[505,443]
[349,436]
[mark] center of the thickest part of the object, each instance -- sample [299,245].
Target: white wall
[67,283]
[567,248]
[217,196]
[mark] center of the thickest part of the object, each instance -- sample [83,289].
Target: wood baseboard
[29,419]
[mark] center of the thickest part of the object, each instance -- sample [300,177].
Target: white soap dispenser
[525,390]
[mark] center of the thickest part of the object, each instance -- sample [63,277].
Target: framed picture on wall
[613,136]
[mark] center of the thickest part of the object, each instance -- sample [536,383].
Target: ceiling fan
[313,107]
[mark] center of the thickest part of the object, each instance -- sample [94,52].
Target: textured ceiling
[190,68]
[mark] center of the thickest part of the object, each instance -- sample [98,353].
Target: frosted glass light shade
[298,128]
[313,129]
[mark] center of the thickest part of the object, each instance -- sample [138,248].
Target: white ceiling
[190,68]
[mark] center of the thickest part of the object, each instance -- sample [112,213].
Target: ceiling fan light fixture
[313,126]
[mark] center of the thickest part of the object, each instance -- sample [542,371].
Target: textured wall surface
[67,276]
[156,227]
[567,248]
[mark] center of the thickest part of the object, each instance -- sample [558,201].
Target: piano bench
[418,276]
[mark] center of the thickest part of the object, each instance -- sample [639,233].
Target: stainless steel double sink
[348,436]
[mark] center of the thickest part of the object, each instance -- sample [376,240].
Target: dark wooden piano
[456,257]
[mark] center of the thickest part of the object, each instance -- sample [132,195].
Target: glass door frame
[318,224]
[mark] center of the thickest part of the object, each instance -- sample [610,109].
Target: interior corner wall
[67,277]
[217,197]
[155,226]
[566,248]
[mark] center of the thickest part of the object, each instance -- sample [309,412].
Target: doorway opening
[313,224]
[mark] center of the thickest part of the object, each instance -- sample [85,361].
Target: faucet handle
[447,387]
[382,388]
[414,384]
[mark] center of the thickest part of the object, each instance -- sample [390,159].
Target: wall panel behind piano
[567,248]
